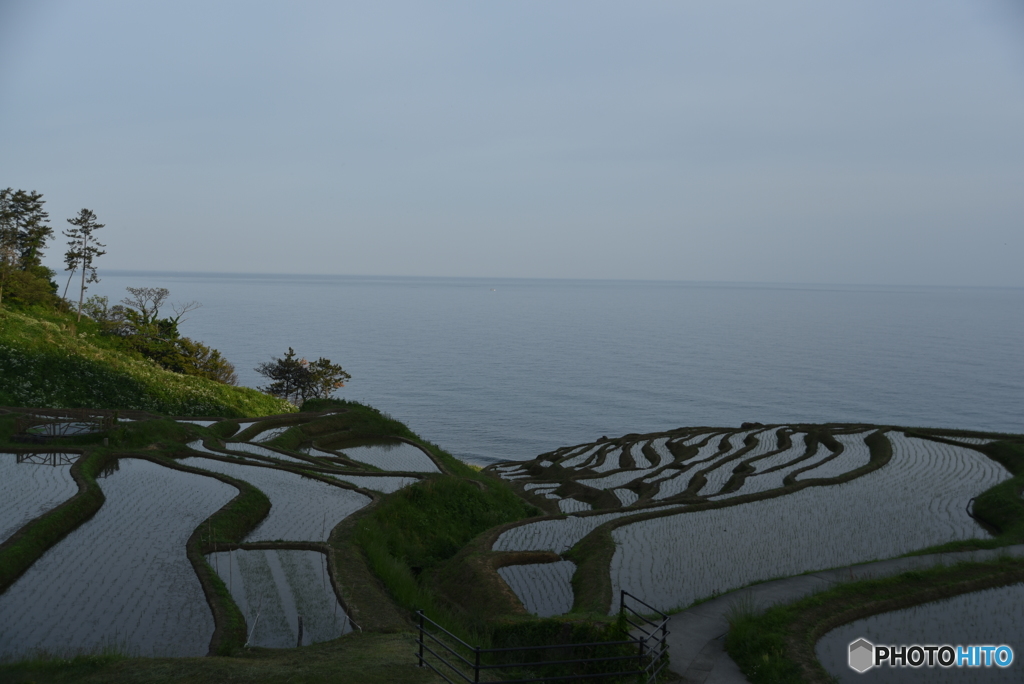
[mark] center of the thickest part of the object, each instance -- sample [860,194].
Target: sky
[860,141]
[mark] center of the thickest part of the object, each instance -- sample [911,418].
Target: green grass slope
[50,361]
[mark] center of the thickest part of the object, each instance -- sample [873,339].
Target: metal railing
[453,657]
[654,642]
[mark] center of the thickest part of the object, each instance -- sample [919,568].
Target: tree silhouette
[83,249]
[296,380]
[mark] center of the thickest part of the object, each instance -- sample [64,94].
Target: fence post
[421,637]
[476,668]
[664,638]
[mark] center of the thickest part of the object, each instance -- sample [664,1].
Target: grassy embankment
[409,537]
[50,360]
[778,646]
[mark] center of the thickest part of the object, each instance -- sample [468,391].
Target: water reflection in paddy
[30,485]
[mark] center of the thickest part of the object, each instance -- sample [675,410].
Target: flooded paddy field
[676,481]
[302,509]
[992,616]
[244,449]
[855,454]
[274,587]
[399,456]
[122,579]
[720,473]
[30,485]
[919,499]
[545,589]
[571,505]
[916,500]
[197,445]
[557,535]
[770,472]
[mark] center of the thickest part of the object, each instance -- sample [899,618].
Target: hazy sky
[865,141]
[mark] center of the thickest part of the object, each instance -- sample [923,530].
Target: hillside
[49,360]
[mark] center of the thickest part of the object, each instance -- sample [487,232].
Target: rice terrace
[335,543]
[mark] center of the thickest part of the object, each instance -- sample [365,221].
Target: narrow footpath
[697,635]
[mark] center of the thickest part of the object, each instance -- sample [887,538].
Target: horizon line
[742,283]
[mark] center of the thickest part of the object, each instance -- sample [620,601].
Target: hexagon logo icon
[862,655]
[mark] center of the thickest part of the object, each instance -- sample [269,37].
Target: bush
[50,364]
[297,380]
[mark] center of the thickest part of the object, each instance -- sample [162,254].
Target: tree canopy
[298,379]
[137,321]
[83,249]
[24,230]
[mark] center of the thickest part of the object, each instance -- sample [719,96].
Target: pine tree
[83,249]
[296,380]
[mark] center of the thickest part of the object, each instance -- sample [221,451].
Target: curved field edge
[777,647]
[361,593]
[592,587]
[46,364]
[25,546]
[225,530]
[1000,508]
[228,525]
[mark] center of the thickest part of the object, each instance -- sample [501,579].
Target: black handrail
[650,659]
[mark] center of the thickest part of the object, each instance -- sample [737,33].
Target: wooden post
[300,633]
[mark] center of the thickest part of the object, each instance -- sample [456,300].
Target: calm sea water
[508,369]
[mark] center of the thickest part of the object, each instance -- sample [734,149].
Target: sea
[507,369]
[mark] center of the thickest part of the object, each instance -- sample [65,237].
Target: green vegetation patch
[564,631]
[413,531]
[429,522]
[60,364]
